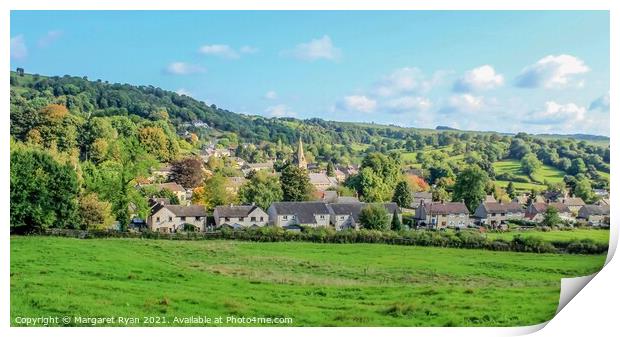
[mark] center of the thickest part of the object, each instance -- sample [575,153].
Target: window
[226,219]
[253,219]
[261,218]
[241,218]
[285,217]
[198,218]
[182,218]
[321,217]
[169,219]
[157,219]
[493,214]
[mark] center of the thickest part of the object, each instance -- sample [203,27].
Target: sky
[507,71]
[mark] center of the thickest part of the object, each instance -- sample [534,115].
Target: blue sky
[538,72]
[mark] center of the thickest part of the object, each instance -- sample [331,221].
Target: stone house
[304,213]
[245,216]
[443,215]
[166,218]
[595,215]
[536,211]
[574,204]
[346,215]
[497,213]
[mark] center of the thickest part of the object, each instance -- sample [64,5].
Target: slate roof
[447,208]
[588,210]
[498,207]
[573,202]
[304,211]
[235,211]
[355,208]
[174,187]
[541,207]
[178,210]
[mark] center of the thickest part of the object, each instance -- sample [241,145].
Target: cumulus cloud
[556,113]
[219,50]
[465,103]
[271,95]
[316,49]
[49,38]
[183,68]
[357,103]
[601,103]
[478,79]
[552,72]
[403,80]
[18,47]
[408,104]
[280,110]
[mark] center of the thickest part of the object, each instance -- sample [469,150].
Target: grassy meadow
[314,284]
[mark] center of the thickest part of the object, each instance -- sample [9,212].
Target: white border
[593,310]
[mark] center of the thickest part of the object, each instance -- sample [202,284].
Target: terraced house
[346,215]
[443,215]
[536,211]
[294,214]
[240,216]
[166,218]
[497,213]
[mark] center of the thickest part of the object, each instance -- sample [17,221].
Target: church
[300,158]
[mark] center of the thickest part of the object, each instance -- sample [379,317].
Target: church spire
[301,159]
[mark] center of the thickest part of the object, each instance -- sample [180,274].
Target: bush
[586,246]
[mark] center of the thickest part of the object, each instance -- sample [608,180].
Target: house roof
[355,208]
[304,210]
[348,200]
[178,210]
[319,179]
[573,201]
[502,207]
[541,207]
[447,208]
[489,198]
[588,210]
[423,195]
[172,186]
[235,211]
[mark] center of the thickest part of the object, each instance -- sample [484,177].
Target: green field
[314,284]
[545,173]
[597,235]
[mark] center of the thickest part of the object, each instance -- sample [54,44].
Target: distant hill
[441,127]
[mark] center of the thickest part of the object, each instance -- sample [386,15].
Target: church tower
[301,159]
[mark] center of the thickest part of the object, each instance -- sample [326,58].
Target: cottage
[307,213]
[321,181]
[497,213]
[346,215]
[574,204]
[244,216]
[255,167]
[536,211]
[443,215]
[172,218]
[595,215]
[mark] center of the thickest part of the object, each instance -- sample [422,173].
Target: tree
[403,194]
[330,169]
[261,189]
[43,192]
[552,218]
[187,172]
[510,189]
[153,192]
[583,190]
[577,166]
[470,187]
[374,216]
[530,164]
[440,194]
[378,177]
[396,224]
[214,193]
[94,213]
[295,183]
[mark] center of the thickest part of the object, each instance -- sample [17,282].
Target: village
[329,209]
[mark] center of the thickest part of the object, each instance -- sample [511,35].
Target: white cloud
[220,50]
[404,80]
[556,113]
[183,68]
[49,38]
[465,103]
[408,104]
[477,79]
[552,72]
[280,110]
[271,95]
[248,50]
[601,103]
[357,103]
[316,49]
[18,47]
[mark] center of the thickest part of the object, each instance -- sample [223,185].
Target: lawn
[520,187]
[545,173]
[314,284]
[598,235]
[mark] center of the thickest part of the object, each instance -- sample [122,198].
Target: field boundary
[462,239]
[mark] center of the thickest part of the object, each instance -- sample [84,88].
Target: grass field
[314,284]
[596,235]
[545,173]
